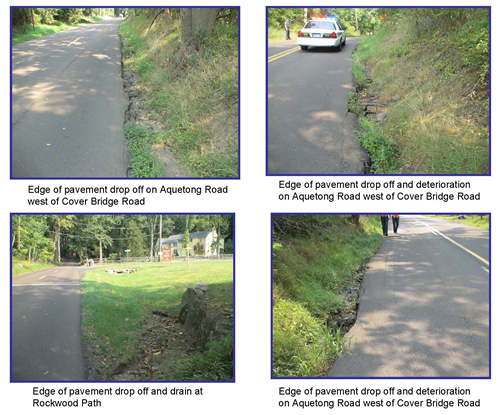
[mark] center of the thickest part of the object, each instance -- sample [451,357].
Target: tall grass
[311,273]
[439,123]
[193,103]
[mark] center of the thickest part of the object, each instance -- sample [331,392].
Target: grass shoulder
[314,288]
[132,319]
[188,111]
[431,108]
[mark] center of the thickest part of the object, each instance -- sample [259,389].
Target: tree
[197,26]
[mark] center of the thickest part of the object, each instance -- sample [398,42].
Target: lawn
[22,267]
[119,315]
[471,220]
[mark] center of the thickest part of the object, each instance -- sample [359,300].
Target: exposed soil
[347,317]
[163,340]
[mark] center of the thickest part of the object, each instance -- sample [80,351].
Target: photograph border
[127,381]
[377,377]
[238,177]
[360,174]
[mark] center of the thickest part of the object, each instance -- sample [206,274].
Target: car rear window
[320,24]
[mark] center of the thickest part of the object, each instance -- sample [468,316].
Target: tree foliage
[355,20]
[46,238]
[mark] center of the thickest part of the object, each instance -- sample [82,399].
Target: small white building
[202,243]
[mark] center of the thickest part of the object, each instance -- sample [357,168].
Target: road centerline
[69,44]
[282,54]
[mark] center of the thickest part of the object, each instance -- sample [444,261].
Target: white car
[322,33]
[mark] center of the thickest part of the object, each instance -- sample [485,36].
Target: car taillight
[300,34]
[333,34]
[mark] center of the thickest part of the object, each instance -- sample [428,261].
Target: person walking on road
[385,224]
[287,28]
[395,223]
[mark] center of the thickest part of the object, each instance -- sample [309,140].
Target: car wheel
[343,43]
[303,47]
[337,48]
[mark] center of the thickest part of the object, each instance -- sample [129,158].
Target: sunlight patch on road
[326,115]
[101,56]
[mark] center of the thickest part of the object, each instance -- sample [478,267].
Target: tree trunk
[218,242]
[19,233]
[197,25]
[152,242]
[33,19]
[57,254]
[100,251]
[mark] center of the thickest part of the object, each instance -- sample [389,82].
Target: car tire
[303,47]
[343,43]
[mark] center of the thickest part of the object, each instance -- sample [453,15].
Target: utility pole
[159,243]
[305,15]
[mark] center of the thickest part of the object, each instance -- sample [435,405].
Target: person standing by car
[385,224]
[287,28]
[395,223]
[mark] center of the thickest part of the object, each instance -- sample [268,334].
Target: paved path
[46,325]
[424,305]
[309,128]
[68,104]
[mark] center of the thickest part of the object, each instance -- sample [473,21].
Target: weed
[382,152]
[142,161]
[353,104]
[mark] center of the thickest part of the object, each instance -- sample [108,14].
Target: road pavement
[309,128]
[46,325]
[68,104]
[424,305]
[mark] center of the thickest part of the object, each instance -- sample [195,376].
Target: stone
[395,98]
[193,311]
[202,287]
[213,327]
[371,108]
[381,116]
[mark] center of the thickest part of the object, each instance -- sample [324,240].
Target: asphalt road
[309,128]
[68,104]
[424,305]
[46,325]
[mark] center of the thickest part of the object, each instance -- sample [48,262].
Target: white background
[252,198]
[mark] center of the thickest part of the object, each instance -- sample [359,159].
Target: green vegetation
[316,258]
[479,221]
[142,160]
[20,35]
[356,21]
[435,62]
[116,309]
[29,24]
[22,267]
[41,239]
[190,97]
